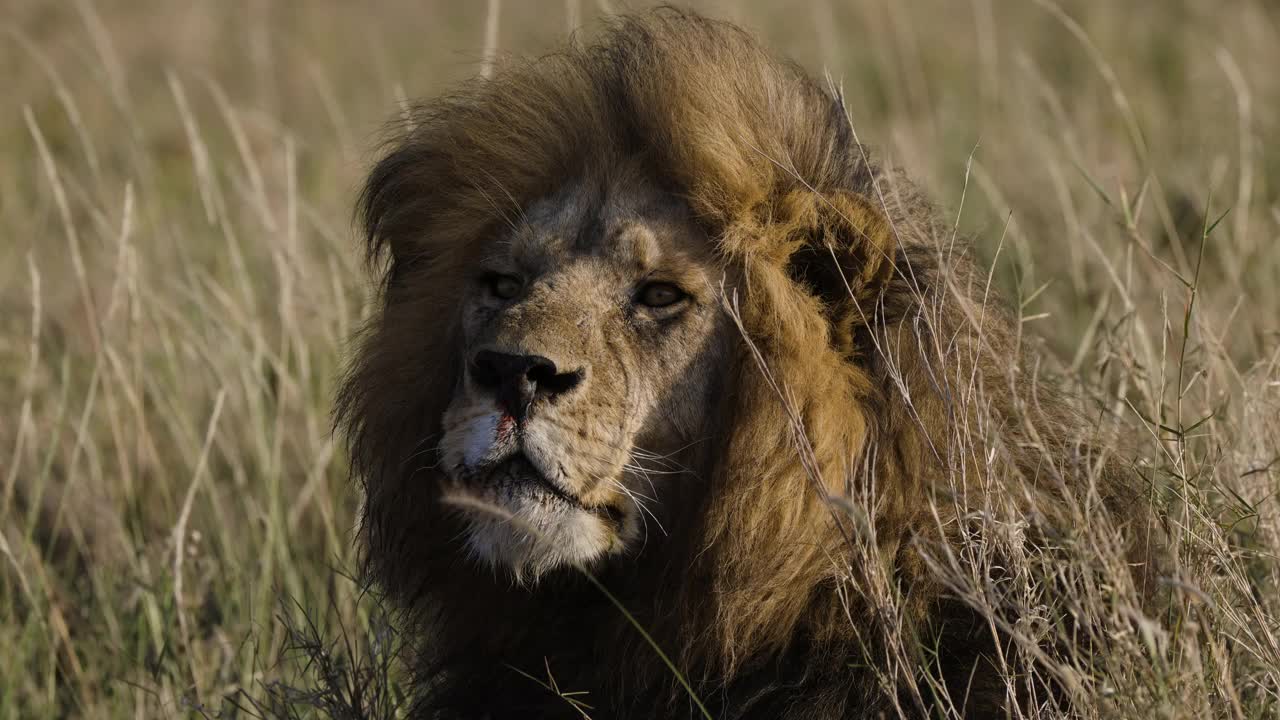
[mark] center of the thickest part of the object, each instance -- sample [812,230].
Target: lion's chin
[577,540]
[519,522]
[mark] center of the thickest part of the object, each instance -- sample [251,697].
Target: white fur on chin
[531,541]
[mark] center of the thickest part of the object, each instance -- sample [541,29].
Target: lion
[675,397]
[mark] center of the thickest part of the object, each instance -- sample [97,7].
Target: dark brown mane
[876,405]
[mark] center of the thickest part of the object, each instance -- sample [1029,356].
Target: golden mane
[876,401]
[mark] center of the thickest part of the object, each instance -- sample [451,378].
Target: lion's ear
[844,251]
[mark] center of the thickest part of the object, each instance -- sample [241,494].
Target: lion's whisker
[644,509]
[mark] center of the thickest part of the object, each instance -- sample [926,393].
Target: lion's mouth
[517,475]
[517,478]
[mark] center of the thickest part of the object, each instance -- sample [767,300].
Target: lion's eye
[660,295]
[504,287]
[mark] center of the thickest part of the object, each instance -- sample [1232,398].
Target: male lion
[655,335]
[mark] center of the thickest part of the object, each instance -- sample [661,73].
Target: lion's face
[590,337]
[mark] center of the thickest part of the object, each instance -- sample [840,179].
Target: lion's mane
[874,404]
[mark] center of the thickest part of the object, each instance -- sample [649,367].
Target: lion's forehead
[627,223]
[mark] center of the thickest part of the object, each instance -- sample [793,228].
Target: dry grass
[177,277]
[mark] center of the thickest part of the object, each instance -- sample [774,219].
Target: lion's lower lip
[517,470]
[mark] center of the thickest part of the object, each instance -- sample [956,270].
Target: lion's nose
[518,380]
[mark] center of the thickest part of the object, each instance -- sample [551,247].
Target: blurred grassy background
[178,274]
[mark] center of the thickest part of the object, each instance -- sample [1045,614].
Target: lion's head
[649,310]
[590,339]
